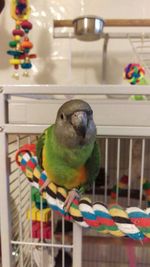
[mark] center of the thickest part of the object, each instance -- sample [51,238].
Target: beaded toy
[113,219]
[134,74]
[20,44]
[123,185]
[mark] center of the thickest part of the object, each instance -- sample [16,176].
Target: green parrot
[67,150]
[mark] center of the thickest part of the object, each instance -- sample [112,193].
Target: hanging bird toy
[20,44]
[134,73]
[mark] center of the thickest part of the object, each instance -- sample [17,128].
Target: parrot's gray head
[74,124]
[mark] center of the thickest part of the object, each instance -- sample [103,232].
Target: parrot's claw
[46,183]
[71,196]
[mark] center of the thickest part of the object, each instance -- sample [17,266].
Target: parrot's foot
[46,183]
[71,196]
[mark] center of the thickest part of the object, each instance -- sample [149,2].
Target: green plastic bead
[13,43]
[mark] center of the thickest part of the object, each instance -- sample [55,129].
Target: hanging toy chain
[21,45]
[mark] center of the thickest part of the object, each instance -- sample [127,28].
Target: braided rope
[113,219]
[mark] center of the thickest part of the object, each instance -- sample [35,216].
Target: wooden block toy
[35,214]
[41,230]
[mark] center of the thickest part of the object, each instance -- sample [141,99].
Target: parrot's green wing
[93,167]
[93,164]
[39,148]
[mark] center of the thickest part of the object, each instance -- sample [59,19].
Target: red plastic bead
[26,25]
[32,56]
[17,11]
[18,32]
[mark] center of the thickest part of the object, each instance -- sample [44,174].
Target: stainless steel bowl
[88,28]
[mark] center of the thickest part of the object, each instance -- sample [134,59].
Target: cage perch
[113,219]
[109,23]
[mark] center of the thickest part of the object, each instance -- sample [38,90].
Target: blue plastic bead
[26,65]
[14,53]
[21,7]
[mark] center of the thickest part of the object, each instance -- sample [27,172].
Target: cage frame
[8,128]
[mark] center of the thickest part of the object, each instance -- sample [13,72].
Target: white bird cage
[122,125]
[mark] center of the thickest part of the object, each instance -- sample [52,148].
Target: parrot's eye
[62,116]
[90,112]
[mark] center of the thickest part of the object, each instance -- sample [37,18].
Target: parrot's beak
[79,121]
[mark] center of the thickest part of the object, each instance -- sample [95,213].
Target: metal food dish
[88,28]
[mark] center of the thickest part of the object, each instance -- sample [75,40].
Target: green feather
[93,164]
[64,162]
[39,148]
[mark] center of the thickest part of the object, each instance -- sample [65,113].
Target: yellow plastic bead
[17,38]
[14,61]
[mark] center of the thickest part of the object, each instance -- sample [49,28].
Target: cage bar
[4,196]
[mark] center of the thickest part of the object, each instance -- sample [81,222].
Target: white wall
[71,61]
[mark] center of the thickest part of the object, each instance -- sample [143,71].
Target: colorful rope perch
[132,222]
